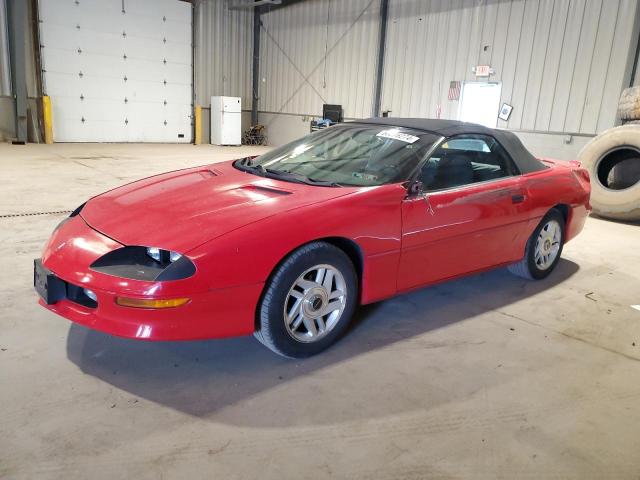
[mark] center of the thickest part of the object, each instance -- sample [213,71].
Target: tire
[629,104]
[302,334]
[529,267]
[613,161]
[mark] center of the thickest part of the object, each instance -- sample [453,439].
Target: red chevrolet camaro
[286,245]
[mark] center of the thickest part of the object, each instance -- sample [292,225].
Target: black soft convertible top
[525,161]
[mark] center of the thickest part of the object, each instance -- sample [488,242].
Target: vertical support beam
[382,41]
[196,8]
[635,79]
[34,25]
[17,13]
[47,119]
[5,69]
[256,66]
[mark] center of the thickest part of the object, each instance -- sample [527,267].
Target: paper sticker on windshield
[394,134]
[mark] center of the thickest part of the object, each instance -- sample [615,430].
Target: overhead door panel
[118,70]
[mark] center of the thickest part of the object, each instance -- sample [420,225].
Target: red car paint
[237,227]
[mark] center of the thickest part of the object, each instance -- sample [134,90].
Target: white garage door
[118,70]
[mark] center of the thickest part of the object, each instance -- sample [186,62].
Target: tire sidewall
[536,272]
[617,204]
[272,305]
[629,104]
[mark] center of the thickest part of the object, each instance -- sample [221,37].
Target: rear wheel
[543,249]
[309,301]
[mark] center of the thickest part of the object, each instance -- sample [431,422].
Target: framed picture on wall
[505,112]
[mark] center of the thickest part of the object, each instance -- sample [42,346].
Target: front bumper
[210,313]
[223,313]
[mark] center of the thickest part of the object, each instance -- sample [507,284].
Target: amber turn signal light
[151,303]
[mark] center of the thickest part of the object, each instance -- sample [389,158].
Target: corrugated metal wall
[223,42]
[320,51]
[562,63]
[636,78]
[5,73]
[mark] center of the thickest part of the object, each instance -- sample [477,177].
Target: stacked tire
[629,105]
[613,161]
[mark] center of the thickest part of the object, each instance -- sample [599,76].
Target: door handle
[518,198]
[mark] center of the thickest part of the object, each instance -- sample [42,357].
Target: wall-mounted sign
[483,70]
[505,112]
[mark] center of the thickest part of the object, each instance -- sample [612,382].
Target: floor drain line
[34,214]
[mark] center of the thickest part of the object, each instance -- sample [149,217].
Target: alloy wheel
[548,244]
[315,303]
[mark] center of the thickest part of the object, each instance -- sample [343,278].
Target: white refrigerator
[225,121]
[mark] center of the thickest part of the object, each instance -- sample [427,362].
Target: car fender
[369,218]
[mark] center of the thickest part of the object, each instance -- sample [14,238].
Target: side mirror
[415,188]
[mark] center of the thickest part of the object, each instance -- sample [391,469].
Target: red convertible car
[286,245]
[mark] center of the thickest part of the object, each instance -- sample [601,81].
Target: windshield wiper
[298,177]
[244,164]
[324,183]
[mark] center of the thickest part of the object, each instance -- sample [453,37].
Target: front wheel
[543,249]
[308,302]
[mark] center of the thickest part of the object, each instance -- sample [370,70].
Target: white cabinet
[226,126]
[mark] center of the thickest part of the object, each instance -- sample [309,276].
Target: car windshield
[348,154]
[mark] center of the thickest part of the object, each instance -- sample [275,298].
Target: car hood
[181,210]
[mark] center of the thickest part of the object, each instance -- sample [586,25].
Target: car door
[467,216]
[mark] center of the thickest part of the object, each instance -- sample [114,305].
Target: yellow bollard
[48,124]
[198,125]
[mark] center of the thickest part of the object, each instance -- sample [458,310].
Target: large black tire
[629,104]
[613,161]
[528,267]
[273,331]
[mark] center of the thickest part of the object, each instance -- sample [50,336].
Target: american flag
[454,90]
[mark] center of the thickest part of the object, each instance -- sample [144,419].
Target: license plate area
[49,287]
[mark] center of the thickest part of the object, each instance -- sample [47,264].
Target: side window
[464,160]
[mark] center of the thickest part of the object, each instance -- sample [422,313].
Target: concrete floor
[487,377]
